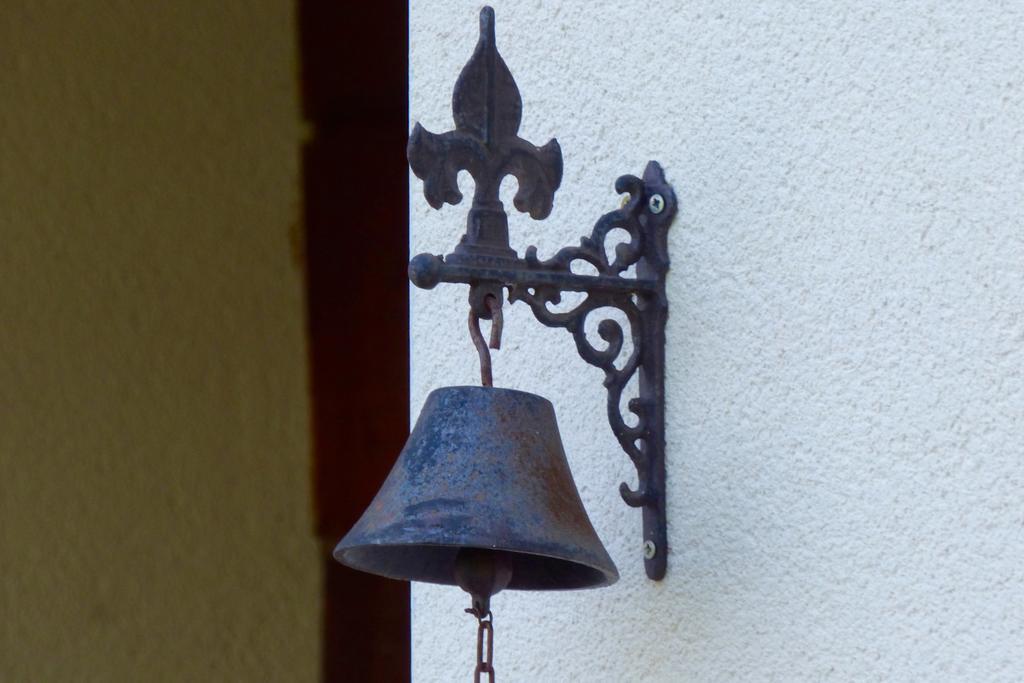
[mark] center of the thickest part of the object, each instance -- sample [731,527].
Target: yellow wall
[155,517]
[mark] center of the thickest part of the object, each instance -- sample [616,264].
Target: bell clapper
[482,573]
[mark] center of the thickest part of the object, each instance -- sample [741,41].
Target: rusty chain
[484,656]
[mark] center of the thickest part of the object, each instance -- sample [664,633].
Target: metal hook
[494,306]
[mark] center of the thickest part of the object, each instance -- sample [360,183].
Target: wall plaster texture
[155,502]
[845,395]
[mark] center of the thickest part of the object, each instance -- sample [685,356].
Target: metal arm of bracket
[487,109]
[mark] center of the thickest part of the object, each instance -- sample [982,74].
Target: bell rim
[608,578]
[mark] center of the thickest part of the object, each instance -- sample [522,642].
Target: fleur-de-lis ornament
[487,110]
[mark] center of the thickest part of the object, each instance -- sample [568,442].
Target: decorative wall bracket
[487,109]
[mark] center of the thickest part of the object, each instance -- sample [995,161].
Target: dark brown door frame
[354,94]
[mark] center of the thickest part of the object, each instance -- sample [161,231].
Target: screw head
[656,203]
[650,550]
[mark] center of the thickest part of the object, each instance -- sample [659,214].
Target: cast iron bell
[481,497]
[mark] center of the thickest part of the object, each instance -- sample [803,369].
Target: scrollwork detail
[632,439]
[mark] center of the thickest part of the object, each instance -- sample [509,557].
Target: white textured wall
[844,386]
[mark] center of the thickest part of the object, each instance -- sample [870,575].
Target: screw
[656,203]
[650,550]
